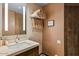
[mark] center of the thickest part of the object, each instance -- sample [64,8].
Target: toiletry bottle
[6,42]
[1,41]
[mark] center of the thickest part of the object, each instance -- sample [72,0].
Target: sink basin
[18,45]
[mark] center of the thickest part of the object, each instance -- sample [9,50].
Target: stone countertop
[17,48]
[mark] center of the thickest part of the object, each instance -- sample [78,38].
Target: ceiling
[17,7]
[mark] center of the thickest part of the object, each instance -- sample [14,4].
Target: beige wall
[51,35]
[33,35]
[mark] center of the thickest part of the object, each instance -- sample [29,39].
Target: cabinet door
[31,52]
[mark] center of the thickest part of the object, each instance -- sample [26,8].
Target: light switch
[58,42]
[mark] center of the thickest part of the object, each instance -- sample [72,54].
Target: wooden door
[71,25]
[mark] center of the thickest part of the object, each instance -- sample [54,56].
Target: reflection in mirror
[15,21]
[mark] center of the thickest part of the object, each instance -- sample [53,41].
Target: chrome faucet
[17,38]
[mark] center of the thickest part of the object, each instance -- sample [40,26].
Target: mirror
[14,21]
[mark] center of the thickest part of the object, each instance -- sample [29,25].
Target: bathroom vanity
[15,24]
[22,48]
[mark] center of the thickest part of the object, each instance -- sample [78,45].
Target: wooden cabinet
[31,52]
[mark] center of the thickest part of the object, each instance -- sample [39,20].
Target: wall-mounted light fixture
[24,18]
[51,23]
[6,16]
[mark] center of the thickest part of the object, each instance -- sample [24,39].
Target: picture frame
[51,23]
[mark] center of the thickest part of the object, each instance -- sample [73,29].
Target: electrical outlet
[58,42]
